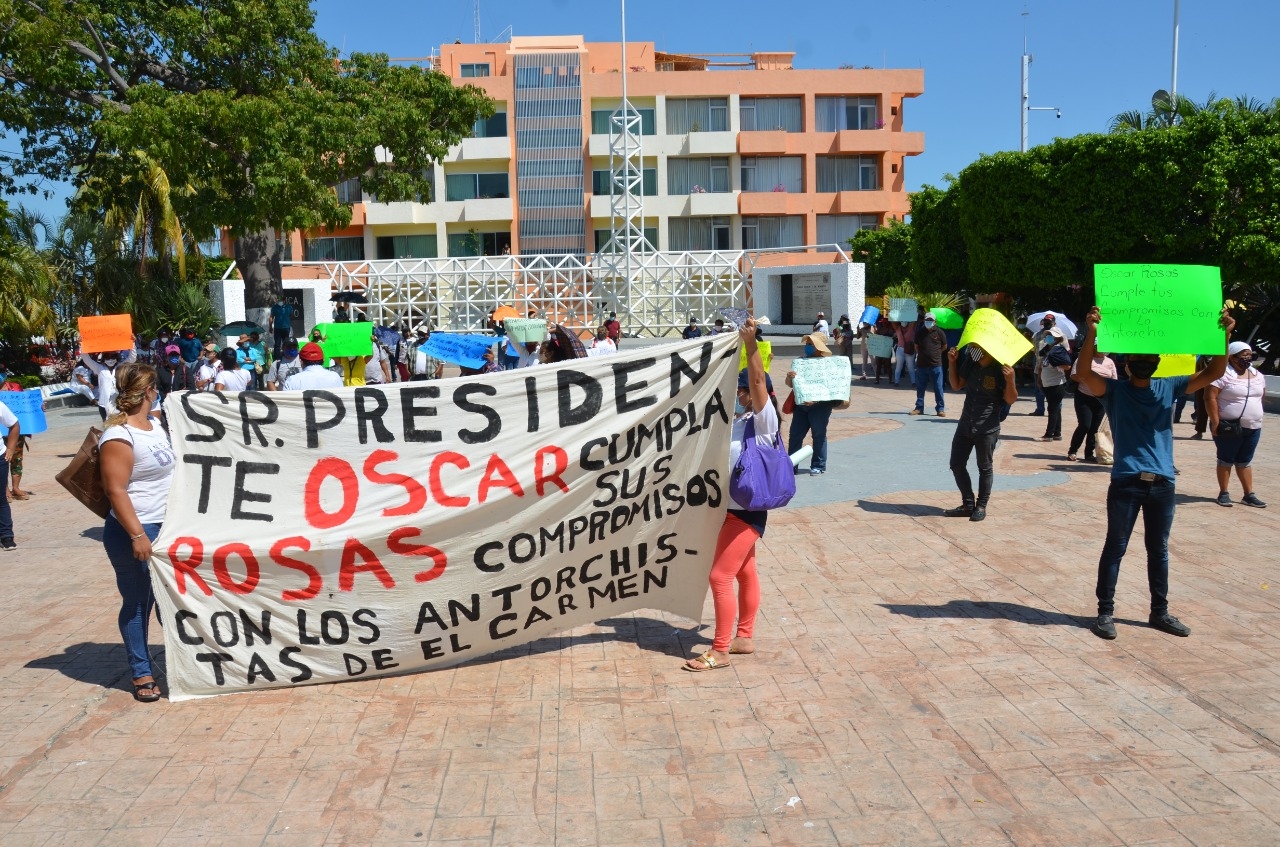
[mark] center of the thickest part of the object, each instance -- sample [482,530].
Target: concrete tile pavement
[917,680]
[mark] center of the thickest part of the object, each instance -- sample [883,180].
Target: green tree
[28,284]
[237,99]
[886,254]
[939,258]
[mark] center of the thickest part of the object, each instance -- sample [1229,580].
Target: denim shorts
[1238,450]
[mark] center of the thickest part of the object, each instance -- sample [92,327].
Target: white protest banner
[460,349]
[903,310]
[526,329]
[821,378]
[329,535]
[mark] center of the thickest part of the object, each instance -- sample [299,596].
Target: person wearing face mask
[1234,404]
[735,557]
[173,375]
[931,350]
[208,369]
[284,367]
[1054,365]
[989,388]
[190,346]
[231,377]
[813,416]
[162,340]
[105,371]
[1141,411]
[1047,323]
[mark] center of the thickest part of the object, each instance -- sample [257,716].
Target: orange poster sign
[104,333]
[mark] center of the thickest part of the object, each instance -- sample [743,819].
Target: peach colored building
[738,153]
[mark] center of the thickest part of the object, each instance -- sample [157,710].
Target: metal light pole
[1027,108]
[1173,86]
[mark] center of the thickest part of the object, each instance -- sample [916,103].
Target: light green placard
[347,339]
[821,378]
[1159,309]
[526,329]
[903,310]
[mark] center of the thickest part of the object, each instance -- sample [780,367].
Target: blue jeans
[810,419]
[6,515]
[133,579]
[929,377]
[1039,394]
[1125,498]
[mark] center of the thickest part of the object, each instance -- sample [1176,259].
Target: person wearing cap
[285,366]
[821,325]
[814,415]
[989,388]
[247,358]
[931,350]
[1234,404]
[845,336]
[692,330]
[1047,323]
[735,584]
[1140,408]
[209,368]
[174,373]
[313,374]
[425,366]
[1054,363]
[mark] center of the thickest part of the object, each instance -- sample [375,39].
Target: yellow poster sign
[1176,364]
[992,331]
[766,355]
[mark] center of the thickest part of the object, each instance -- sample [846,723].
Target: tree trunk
[258,261]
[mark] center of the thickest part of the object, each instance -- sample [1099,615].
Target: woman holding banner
[137,463]
[735,560]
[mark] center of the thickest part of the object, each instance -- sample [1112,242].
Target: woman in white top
[1236,399]
[735,561]
[209,368]
[232,377]
[1089,411]
[137,462]
[106,373]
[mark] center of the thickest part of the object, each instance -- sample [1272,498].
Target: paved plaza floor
[918,680]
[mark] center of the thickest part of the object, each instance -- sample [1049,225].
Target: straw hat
[819,342]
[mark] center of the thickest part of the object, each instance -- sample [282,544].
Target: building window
[476,186]
[838,229]
[773,173]
[343,249]
[494,127]
[474,69]
[600,183]
[405,246]
[550,76]
[697,114]
[479,243]
[771,113]
[600,121]
[839,113]
[349,191]
[691,234]
[698,176]
[605,245]
[848,173]
[765,233]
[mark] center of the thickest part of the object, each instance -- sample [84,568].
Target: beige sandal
[708,663]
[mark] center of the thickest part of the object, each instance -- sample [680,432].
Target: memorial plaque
[810,294]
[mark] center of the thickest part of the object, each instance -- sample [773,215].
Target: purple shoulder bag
[763,478]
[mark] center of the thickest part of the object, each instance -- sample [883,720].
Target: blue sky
[1093,58]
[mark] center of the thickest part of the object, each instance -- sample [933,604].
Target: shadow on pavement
[103,665]
[914,509]
[93,533]
[1181,499]
[981,610]
[649,634]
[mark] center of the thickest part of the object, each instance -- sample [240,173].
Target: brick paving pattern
[918,681]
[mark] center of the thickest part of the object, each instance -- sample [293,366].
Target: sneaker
[1251,499]
[964,510]
[1224,499]
[915,412]
[8,544]
[979,513]
[941,414]
[1199,436]
[1168,623]
[816,471]
[1105,627]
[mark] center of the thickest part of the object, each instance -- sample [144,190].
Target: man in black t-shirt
[989,388]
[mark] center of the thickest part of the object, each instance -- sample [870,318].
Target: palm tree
[142,212]
[1163,113]
[28,284]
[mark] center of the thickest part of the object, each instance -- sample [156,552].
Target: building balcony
[477,149]
[725,203]
[774,203]
[711,143]
[385,214]
[774,143]
[486,209]
[876,141]
[857,202]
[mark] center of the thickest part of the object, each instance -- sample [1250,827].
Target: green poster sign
[1159,309]
[347,339]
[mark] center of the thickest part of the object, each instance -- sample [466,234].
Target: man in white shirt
[313,374]
[82,384]
[9,419]
[821,325]
[377,370]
